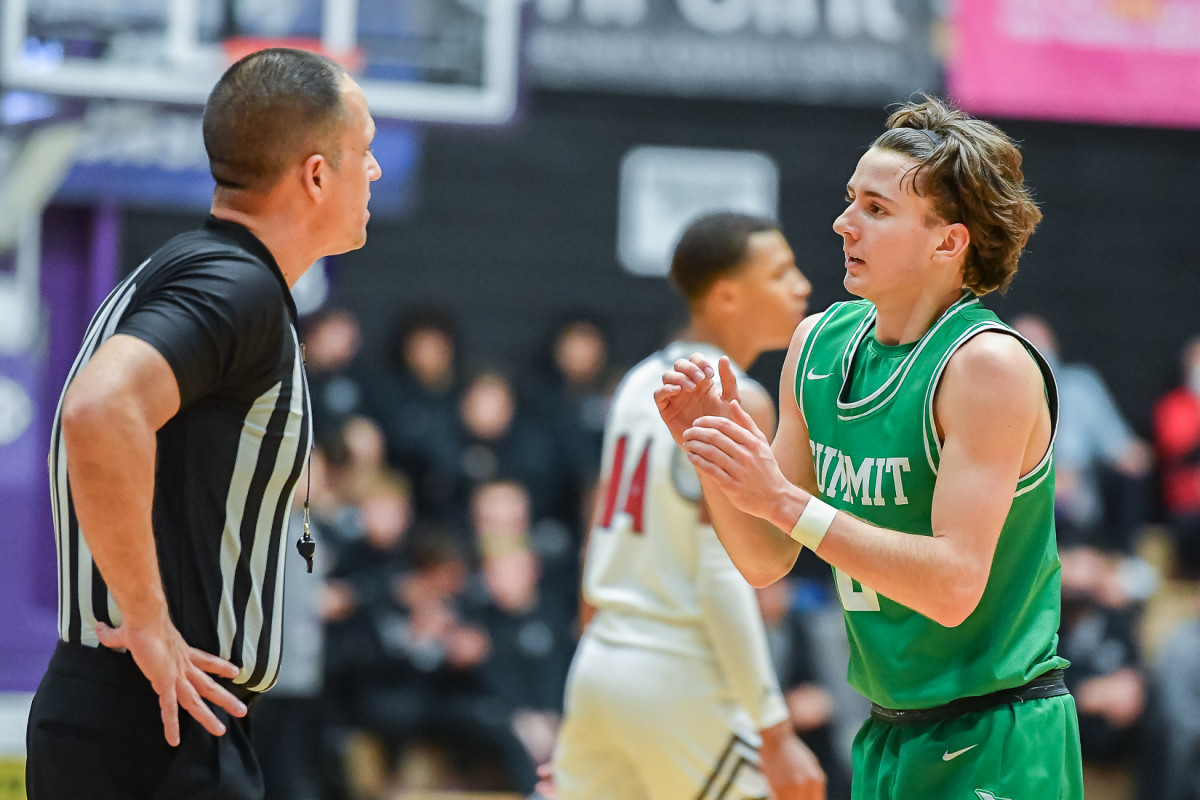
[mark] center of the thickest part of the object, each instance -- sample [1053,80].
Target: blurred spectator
[1177,436]
[354,458]
[405,659]
[1098,636]
[572,389]
[496,441]
[366,628]
[416,401]
[331,344]
[289,728]
[531,636]
[810,706]
[366,456]
[1101,468]
[1175,746]
[453,706]
[359,594]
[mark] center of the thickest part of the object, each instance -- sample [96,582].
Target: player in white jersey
[672,693]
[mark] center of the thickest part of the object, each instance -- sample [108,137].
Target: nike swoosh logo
[957,753]
[813,376]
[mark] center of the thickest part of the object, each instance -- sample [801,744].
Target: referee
[176,449]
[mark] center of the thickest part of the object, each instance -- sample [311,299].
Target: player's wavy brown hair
[972,172]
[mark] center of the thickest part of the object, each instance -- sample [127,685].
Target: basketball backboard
[421,60]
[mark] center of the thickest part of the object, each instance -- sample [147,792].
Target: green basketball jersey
[869,409]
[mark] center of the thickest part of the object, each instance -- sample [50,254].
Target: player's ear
[956,238]
[724,293]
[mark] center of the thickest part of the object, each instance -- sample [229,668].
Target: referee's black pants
[95,731]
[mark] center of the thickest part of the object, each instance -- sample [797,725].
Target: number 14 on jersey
[632,499]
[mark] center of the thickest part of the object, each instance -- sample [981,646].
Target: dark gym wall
[513,227]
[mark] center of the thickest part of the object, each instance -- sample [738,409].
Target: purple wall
[79,248]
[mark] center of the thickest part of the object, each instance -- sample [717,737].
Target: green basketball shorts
[1028,750]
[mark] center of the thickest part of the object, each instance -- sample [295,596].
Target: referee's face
[355,172]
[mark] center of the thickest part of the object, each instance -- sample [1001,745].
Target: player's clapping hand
[689,392]
[734,452]
[179,673]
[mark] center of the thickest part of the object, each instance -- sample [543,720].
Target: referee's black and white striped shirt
[215,304]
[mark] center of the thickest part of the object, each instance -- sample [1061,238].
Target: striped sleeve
[211,320]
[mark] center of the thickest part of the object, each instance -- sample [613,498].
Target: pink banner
[1110,61]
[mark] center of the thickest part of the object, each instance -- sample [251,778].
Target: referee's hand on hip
[179,673]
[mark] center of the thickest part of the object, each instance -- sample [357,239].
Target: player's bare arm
[791,769]
[111,413]
[789,766]
[992,415]
[760,551]
[586,609]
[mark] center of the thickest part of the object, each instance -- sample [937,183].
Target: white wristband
[810,529]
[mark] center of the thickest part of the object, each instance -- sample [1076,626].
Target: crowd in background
[430,647]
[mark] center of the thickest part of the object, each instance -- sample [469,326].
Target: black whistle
[306,547]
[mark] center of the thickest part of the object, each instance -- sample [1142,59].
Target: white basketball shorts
[646,725]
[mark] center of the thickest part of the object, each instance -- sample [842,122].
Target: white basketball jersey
[644,552]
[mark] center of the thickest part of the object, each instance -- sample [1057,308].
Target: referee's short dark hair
[268,109]
[712,246]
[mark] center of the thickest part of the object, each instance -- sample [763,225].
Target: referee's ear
[313,175]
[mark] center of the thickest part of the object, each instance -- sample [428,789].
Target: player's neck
[725,338]
[904,320]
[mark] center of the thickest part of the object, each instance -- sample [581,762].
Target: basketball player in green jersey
[913,454]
